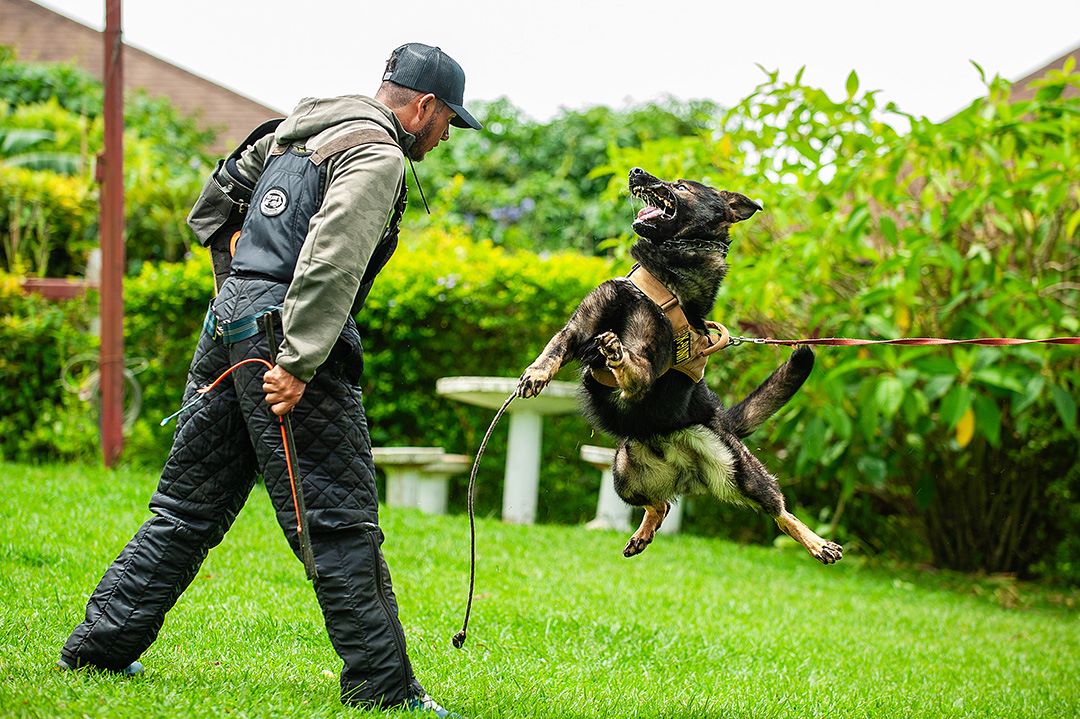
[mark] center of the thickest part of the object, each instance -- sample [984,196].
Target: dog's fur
[676,436]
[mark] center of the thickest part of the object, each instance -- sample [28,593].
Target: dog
[675,435]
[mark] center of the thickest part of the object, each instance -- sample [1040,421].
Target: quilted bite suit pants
[220,445]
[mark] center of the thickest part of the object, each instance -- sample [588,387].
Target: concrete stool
[433,484]
[611,511]
[404,467]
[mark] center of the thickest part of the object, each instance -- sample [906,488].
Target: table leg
[401,486]
[521,482]
[432,492]
[611,511]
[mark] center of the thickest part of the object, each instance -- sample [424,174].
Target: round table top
[490,392]
[407,456]
[597,455]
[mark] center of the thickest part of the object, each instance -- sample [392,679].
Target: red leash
[910,341]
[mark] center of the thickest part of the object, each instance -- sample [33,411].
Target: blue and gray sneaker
[131,670]
[424,703]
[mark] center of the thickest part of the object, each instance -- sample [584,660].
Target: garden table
[521,479]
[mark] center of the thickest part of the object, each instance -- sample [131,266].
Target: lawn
[563,625]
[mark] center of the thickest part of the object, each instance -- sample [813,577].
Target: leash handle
[307,553]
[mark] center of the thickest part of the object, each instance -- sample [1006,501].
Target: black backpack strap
[257,134]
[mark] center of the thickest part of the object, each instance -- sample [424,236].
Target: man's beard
[422,139]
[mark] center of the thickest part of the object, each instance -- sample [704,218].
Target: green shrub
[42,420]
[444,306]
[49,220]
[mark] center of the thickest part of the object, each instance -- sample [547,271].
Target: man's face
[433,130]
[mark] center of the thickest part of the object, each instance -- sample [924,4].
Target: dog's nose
[636,171]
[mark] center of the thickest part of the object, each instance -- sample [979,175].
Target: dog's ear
[742,207]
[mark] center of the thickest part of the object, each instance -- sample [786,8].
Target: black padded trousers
[220,445]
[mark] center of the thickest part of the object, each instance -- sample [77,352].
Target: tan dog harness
[692,349]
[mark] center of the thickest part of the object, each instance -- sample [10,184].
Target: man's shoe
[424,703]
[131,670]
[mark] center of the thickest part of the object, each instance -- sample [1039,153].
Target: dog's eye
[680,186]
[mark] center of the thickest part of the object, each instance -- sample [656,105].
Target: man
[314,196]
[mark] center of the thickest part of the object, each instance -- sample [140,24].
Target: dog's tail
[771,395]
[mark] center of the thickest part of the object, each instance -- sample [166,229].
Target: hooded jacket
[361,188]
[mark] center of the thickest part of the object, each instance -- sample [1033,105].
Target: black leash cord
[459,638]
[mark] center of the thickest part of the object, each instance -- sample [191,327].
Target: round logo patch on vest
[274,202]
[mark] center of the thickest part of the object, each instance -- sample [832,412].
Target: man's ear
[742,207]
[416,113]
[426,106]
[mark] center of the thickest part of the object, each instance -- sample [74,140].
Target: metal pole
[112,242]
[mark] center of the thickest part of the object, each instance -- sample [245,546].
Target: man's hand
[282,390]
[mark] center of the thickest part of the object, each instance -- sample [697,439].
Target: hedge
[444,306]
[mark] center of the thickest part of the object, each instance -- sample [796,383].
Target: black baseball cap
[428,69]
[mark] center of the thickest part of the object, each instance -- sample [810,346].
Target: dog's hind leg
[643,478]
[755,482]
[820,549]
[650,523]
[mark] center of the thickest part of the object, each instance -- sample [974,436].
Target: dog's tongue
[649,212]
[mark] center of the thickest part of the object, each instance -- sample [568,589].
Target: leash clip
[736,340]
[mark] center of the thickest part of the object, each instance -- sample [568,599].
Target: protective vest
[286,197]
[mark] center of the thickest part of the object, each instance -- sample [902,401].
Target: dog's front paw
[609,345]
[533,381]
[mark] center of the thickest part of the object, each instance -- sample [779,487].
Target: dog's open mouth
[659,204]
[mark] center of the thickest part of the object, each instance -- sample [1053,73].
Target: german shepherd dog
[675,435]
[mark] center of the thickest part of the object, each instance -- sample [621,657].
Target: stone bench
[611,511]
[419,477]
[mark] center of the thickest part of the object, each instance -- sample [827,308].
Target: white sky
[548,54]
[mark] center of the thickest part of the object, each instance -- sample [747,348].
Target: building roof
[1022,89]
[39,34]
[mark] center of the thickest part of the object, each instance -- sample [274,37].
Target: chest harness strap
[691,349]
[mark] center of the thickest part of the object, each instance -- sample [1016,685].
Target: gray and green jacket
[338,241]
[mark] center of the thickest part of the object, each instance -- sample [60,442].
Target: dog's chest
[689,461]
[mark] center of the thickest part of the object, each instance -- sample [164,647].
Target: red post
[112,242]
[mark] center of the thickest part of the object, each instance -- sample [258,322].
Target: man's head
[425,88]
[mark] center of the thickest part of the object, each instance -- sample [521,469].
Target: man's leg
[208,475]
[338,478]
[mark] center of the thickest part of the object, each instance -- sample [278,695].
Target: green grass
[563,626]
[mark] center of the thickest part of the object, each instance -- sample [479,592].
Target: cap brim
[463,118]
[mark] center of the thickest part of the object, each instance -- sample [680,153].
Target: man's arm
[342,235]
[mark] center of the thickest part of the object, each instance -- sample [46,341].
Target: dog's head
[685,210]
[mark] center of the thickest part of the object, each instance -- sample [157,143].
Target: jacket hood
[313,115]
